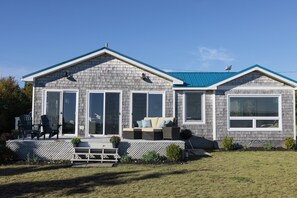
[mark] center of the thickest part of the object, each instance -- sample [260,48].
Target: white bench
[92,154]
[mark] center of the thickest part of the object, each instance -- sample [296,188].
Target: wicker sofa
[153,132]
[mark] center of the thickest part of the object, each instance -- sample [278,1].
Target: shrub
[126,159]
[227,143]
[174,152]
[115,139]
[151,156]
[289,143]
[185,134]
[6,136]
[245,148]
[75,140]
[267,146]
[236,146]
[6,155]
[32,159]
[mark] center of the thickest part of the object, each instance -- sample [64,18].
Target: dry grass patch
[226,174]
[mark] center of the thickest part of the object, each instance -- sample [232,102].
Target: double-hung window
[259,112]
[193,107]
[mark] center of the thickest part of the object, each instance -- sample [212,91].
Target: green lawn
[226,174]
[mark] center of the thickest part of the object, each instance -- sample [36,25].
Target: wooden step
[95,154]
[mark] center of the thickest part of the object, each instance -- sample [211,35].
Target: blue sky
[198,35]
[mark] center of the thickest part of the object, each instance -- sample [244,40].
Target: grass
[226,174]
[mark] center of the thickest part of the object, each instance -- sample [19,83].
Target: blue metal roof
[206,79]
[201,79]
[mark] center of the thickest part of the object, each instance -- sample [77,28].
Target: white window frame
[88,111]
[202,121]
[61,91]
[147,96]
[255,118]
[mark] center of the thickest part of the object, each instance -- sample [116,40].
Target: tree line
[14,101]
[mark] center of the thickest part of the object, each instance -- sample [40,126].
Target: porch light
[67,75]
[143,76]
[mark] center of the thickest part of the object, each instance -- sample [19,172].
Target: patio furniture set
[153,128]
[26,127]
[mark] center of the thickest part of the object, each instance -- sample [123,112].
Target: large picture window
[254,112]
[193,107]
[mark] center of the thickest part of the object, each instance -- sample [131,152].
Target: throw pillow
[146,124]
[168,123]
[139,123]
[161,124]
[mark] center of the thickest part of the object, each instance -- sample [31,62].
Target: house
[100,93]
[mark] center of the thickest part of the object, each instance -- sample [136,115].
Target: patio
[62,148]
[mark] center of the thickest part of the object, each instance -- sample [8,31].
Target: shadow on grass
[29,169]
[78,185]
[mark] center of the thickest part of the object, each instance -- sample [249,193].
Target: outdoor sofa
[151,128]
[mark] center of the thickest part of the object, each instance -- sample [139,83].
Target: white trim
[252,70]
[236,87]
[130,109]
[32,77]
[255,118]
[214,115]
[121,114]
[203,93]
[294,113]
[104,115]
[163,93]
[173,104]
[33,102]
[87,114]
[88,92]
[61,92]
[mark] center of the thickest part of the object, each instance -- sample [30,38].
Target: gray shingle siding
[252,138]
[255,79]
[204,130]
[103,73]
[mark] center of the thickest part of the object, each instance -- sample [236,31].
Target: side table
[171,133]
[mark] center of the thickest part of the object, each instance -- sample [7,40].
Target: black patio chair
[49,128]
[26,127]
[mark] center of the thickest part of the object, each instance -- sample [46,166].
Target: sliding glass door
[112,113]
[146,105]
[53,107]
[69,109]
[104,113]
[60,108]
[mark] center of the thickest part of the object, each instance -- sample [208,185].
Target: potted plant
[115,140]
[75,141]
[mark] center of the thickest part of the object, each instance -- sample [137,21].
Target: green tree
[14,101]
